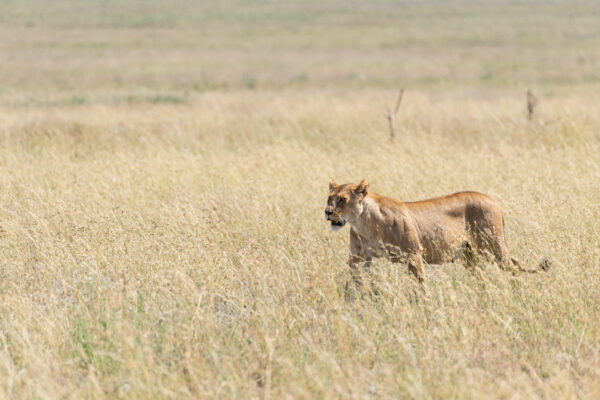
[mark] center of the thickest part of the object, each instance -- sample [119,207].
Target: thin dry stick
[531,103]
[391,116]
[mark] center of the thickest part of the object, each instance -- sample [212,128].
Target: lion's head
[345,202]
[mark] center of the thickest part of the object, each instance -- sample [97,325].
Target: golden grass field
[162,186]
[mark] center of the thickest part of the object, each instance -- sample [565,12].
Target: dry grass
[181,250]
[163,173]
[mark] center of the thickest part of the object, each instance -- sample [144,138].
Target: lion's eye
[341,201]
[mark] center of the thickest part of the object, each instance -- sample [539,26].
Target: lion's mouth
[337,225]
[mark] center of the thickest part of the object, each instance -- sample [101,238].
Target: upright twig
[531,103]
[391,116]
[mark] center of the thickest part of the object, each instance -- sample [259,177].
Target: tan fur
[434,230]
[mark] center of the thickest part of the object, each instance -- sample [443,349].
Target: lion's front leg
[358,257]
[354,263]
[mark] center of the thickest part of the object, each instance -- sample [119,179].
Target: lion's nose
[328,212]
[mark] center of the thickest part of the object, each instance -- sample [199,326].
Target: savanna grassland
[163,173]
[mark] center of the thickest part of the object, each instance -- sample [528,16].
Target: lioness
[431,230]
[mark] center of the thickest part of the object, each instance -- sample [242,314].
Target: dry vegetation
[165,241]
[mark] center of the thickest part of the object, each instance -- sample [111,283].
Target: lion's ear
[332,185]
[363,187]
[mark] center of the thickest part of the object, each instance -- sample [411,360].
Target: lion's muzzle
[336,223]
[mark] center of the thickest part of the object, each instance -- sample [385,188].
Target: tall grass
[180,250]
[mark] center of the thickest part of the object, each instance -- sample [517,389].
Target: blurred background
[69,51]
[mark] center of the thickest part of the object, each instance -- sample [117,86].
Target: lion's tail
[544,265]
